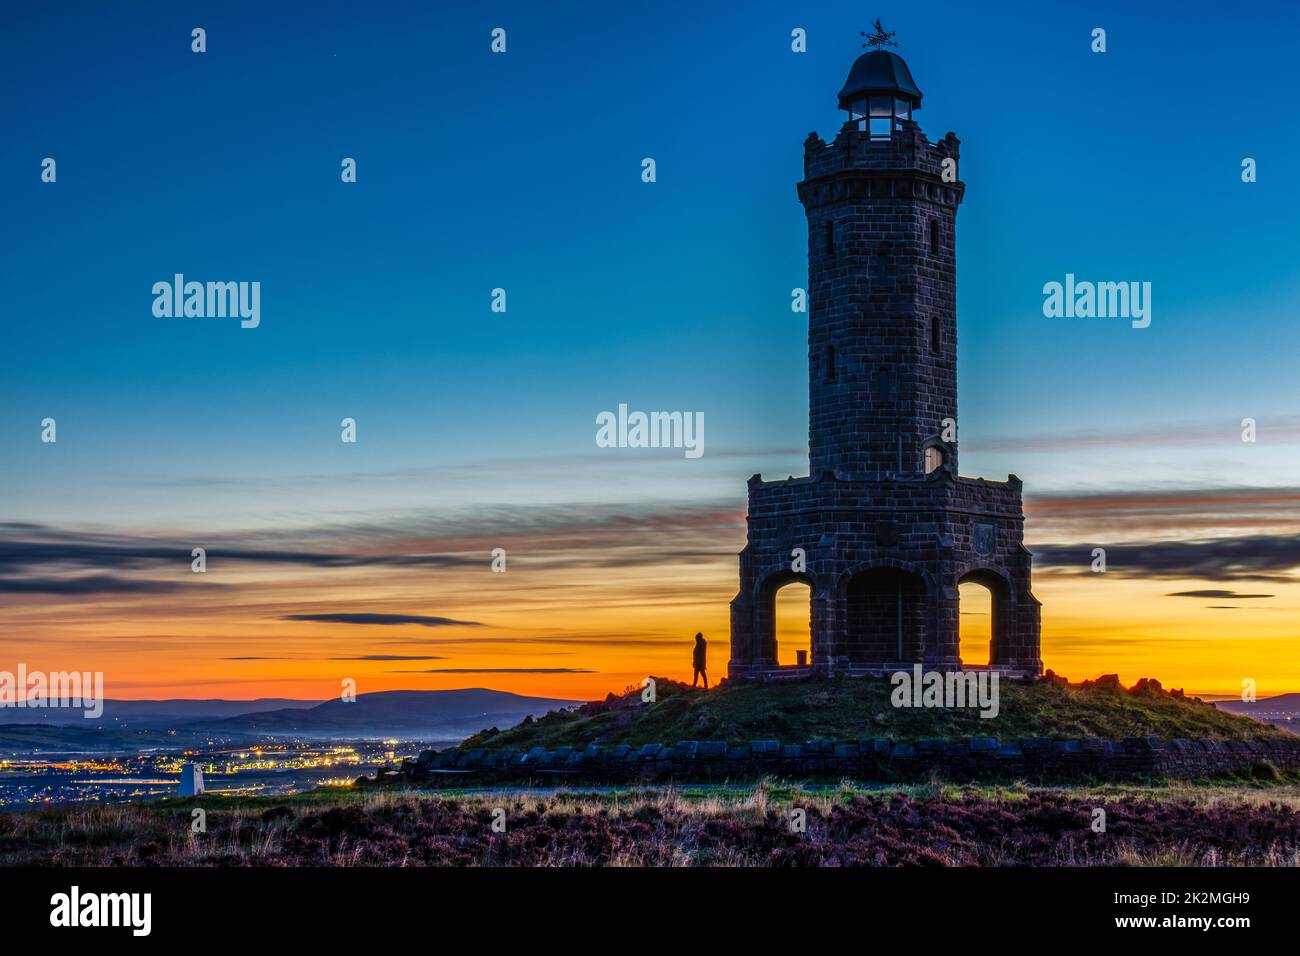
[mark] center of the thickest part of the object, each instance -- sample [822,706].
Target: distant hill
[859,708]
[156,714]
[92,738]
[174,724]
[1282,711]
[431,713]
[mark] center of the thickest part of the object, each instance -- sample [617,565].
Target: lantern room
[880,94]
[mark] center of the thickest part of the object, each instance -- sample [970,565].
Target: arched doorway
[974,623]
[793,617]
[886,616]
[981,620]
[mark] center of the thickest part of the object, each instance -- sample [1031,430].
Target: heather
[1231,823]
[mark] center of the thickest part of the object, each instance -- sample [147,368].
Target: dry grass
[847,824]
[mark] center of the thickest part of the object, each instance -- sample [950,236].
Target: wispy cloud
[1152,513]
[595,641]
[1282,428]
[390,657]
[24,546]
[472,470]
[1252,558]
[386,620]
[1211,593]
[578,534]
[88,584]
[500,670]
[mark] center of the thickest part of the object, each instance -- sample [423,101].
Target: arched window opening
[974,623]
[983,599]
[934,458]
[793,623]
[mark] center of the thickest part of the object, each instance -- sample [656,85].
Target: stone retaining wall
[1032,758]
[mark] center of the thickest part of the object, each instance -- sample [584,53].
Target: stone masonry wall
[975,758]
[882,328]
[929,526]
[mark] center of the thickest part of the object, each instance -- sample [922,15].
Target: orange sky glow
[554,625]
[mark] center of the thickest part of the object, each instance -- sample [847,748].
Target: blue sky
[522,171]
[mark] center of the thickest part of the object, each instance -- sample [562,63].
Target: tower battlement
[790,496]
[854,149]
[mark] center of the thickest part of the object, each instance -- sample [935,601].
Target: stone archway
[887,616]
[765,613]
[792,620]
[999,607]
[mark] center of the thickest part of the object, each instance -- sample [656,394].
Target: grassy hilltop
[860,708]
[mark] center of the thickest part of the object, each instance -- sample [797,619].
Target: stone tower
[886,526]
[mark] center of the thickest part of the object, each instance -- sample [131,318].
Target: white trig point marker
[191,780]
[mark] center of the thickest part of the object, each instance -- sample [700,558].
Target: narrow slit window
[830,237]
[885,385]
[828,364]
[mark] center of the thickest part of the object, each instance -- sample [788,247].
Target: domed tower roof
[880,72]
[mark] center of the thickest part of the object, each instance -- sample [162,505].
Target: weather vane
[880,38]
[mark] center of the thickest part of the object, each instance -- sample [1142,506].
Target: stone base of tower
[884,559]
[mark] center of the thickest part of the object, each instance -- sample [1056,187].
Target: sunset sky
[476,429]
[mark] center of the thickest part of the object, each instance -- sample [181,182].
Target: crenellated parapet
[907,165]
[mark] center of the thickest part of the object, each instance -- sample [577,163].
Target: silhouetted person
[700,660]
